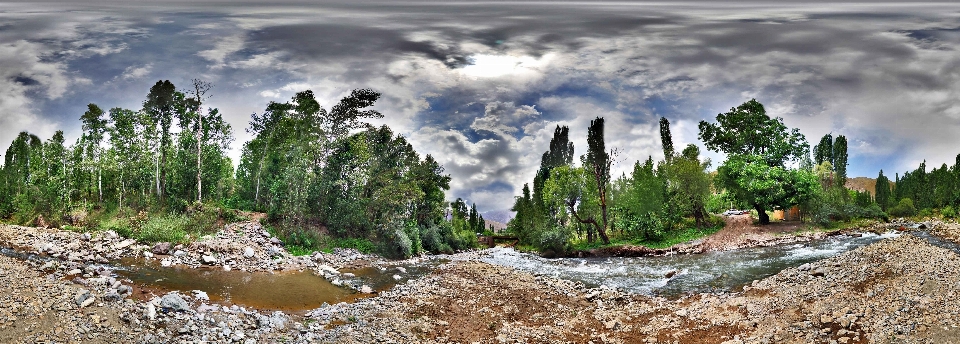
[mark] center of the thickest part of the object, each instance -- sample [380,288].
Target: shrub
[555,241]
[644,227]
[903,208]
[433,241]
[948,212]
[396,244]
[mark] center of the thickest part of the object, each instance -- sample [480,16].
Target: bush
[433,241]
[555,241]
[396,244]
[121,225]
[904,208]
[644,227]
[948,212]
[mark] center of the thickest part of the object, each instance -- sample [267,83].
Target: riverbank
[739,232]
[896,290]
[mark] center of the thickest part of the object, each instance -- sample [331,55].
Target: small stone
[201,295]
[366,289]
[111,297]
[610,324]
[826,319]
[74,272]
[248,252]
[147,254]
[179,253]
[166,263]
[81,296]
[87,302]
[208,260]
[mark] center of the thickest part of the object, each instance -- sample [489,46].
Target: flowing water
[693,273]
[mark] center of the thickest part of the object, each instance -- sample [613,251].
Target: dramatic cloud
[481,86]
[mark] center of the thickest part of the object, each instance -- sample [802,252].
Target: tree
[840,159]
[160,107]
[758,149]
[559,153]
[570,190]
[200,90]
[94,128]
[598,160]
[689,183]
[666,139]
[123,137]
[824,150]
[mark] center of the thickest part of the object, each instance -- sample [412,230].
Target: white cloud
[136,72]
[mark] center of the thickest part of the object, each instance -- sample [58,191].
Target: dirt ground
[741,230]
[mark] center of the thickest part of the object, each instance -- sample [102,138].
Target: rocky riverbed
[897,290]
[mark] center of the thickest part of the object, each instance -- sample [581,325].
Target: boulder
[174,302]
[161,248]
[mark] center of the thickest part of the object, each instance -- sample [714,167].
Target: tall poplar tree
[598,161]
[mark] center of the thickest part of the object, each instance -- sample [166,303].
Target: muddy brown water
[283,291]
[292,292]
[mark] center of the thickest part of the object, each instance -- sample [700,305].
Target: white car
[735,212]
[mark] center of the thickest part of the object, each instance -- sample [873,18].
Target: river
[692,273]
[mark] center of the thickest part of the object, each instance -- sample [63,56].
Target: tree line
[768,167]
[318,174]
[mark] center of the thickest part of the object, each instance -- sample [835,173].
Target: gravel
[900,290]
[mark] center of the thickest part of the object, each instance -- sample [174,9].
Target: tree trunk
[199,184]
[603,230]
[762,214]
[100,184]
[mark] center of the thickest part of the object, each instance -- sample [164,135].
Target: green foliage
[754,182]
[646,226]
[904,208]
[948,212]
[758,149]
[554,242]
[165,228]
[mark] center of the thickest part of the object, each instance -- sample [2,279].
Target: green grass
[669,239]
[301,242]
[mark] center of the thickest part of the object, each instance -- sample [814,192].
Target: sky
[482,85]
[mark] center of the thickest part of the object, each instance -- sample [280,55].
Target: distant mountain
[497,226]
[863,184]
[502,216]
